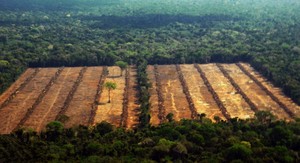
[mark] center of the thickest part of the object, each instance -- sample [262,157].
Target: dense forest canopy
[89,32]
[258,140]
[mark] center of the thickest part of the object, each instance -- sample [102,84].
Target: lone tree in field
[110,86]
[122,65]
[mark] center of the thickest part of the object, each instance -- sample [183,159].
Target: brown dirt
[111,112]
[153,98]
[80,107]
[17,108]
[133,105]
[16,85]
[47,110]
[174,99]
[234,103]
[202,98]
[276,92]
[253,91]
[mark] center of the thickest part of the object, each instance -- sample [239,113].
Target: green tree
[54,130]
[264,117]
[123,65]
[4,64]
[104,128]
[110,86]
[239,151]
[170,117]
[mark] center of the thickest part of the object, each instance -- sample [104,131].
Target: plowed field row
[223,90]
[77,96]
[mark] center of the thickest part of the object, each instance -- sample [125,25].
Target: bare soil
[80,108]
[253,91]
[234,103]
[16,85]
[276,92]
[11,115]
[202,98]
[111,112]
[54,100]
[174,99]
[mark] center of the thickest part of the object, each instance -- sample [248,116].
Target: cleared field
[48,109]
[81,105]
[11,114]
[78,96]
[111,112]
[277,92]
[253,91]
[174,98]
[202,98]
[22,81]
[234,103]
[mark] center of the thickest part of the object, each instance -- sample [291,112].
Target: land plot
[11,115]
[202,98]
[254,92]
[133,105]
[111,112]
[81,105]
[154,111]
[277,92]
[54,100]
[234,103]
[174,98]
[16,85]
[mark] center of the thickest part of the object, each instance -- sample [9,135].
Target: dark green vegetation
[48,33]
[258,140]
[75,33]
